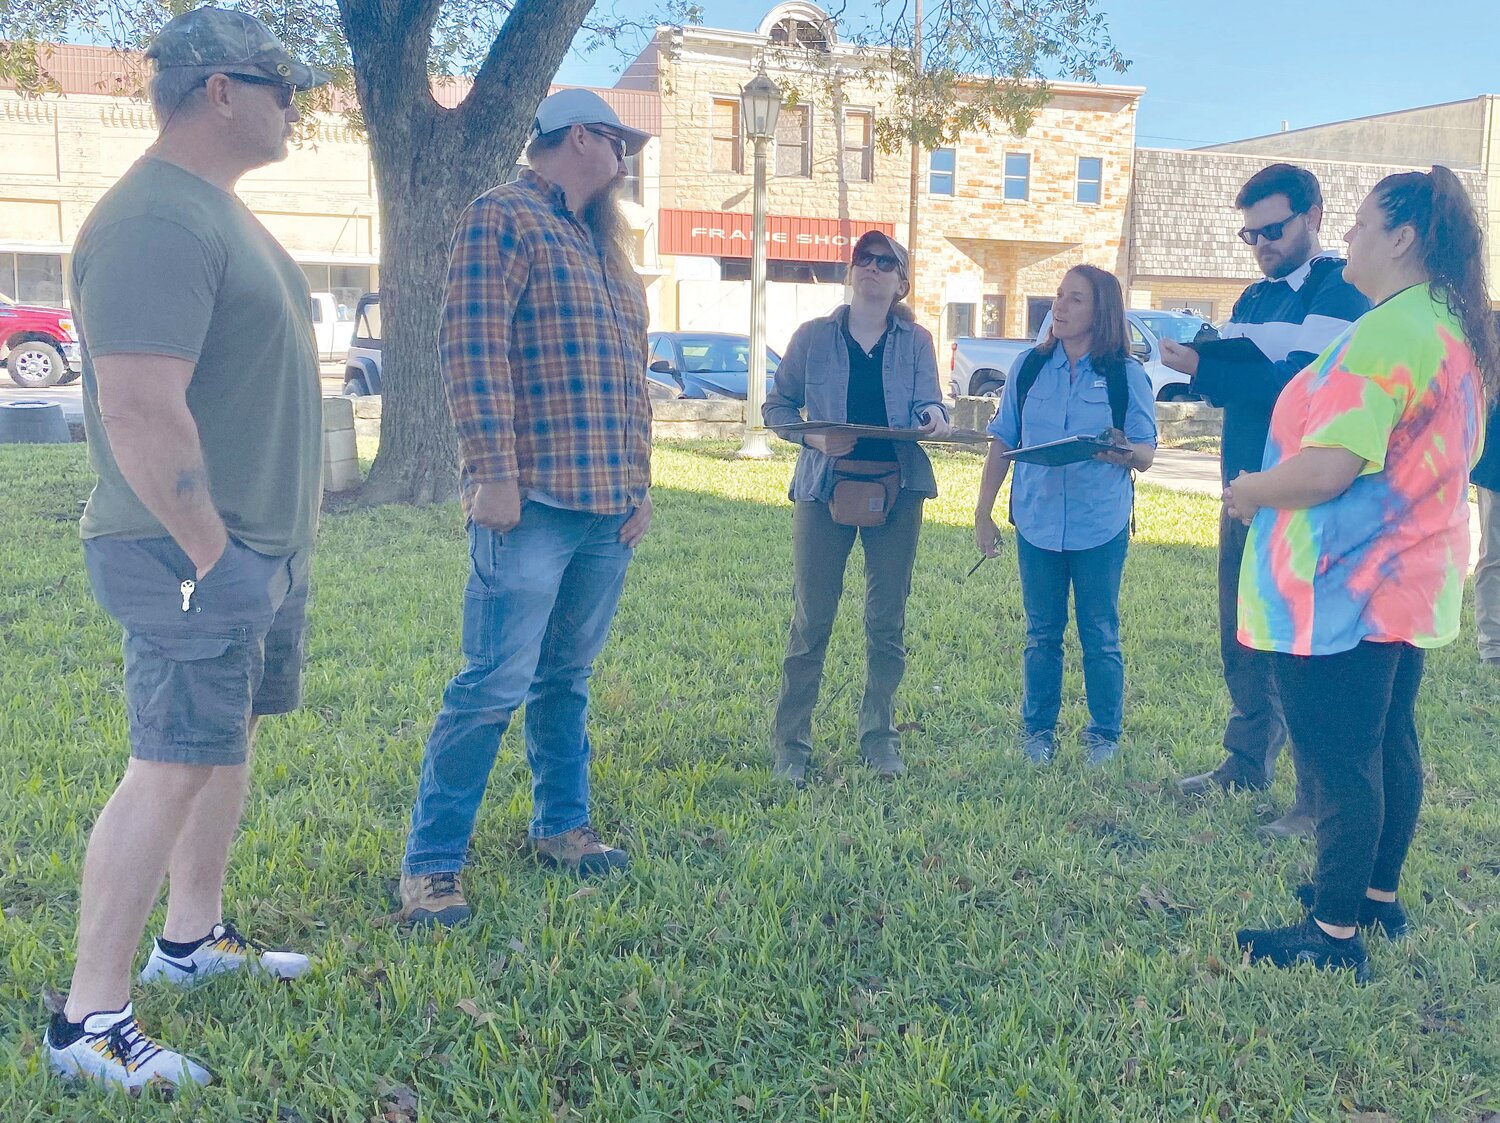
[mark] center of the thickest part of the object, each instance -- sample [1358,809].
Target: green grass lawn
[979,941]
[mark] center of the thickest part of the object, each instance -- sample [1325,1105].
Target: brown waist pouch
[864,491]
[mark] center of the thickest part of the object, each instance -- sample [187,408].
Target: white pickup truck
[979,366]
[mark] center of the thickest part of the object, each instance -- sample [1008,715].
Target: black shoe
[1305,943]
[1228,777]
[1388,916]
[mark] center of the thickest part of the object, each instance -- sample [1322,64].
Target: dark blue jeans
[537,611]
[1095,579]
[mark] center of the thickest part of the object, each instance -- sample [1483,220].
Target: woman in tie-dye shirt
[1359,537]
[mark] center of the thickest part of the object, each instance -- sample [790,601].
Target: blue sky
[1216,71]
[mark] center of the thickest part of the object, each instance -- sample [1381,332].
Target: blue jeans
[1094,575]
[537,611]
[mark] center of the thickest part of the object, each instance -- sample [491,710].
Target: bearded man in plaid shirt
[544,357]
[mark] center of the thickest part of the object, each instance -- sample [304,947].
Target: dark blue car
[703,364]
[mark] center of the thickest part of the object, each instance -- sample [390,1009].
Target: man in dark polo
[203,413]
[1300,307]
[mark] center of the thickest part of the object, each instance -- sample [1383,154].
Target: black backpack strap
[1117,384]
[1031,366]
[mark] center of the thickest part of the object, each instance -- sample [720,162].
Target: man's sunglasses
[614,142]
[882,261]
[284,91]
[1270,232]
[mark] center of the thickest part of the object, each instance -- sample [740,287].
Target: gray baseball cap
[877,242]
[584,107]
[233,40]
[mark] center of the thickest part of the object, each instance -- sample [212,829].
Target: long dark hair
[1437,207]
[1107,344]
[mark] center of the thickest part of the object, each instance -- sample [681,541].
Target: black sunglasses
[284,90]
[882,261]
[1270,232]
[614,142]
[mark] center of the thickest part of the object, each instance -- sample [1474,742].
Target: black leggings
[1353,718]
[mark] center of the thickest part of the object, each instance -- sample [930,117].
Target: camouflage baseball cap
[233,40]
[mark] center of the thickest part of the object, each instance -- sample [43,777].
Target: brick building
[1001,218]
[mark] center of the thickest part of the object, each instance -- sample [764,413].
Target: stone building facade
[1001,217]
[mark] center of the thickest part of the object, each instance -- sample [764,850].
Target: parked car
[702,364]
[362,367]
[40,344]
[979,366]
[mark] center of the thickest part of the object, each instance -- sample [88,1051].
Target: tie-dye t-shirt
[1385,560]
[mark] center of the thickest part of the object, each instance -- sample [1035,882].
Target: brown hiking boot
[433,898]
[582,851]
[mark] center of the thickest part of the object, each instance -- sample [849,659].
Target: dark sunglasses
[284,90]
[1270,232]
[614,142]
[882,261]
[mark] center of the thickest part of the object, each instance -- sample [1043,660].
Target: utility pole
[916,148]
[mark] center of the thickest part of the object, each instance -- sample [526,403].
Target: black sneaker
[1305,943]
[1388,916]
[1230,776]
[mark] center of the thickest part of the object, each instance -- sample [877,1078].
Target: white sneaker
[223,949]
[115,1050]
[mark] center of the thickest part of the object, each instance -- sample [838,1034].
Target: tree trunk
[419,206]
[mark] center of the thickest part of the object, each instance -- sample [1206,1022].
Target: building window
[1037,308]
[960,320]
[33,278]
[630,191]
[786,272]
[1018,175]
[347,283]
[794,141]
[859,145]
[940,167]
[728,151]
[1090,179]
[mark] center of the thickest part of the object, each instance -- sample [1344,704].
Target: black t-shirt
[866,401]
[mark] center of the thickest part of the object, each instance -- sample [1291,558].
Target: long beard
[606,221]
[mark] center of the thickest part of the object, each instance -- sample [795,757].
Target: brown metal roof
[76,69]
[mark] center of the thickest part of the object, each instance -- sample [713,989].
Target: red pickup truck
[40,344]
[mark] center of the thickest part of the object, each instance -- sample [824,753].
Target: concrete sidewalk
[1182,470]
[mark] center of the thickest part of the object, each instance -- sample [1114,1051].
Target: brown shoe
[433,898]
[582,851]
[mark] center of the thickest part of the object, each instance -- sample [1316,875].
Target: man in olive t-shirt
[203,412]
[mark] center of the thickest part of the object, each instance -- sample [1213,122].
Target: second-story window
[859,145]
[940,171]
[1018,175]
[728,153]
[1090,179]
[794,141]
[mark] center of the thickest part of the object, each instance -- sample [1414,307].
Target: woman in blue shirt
[1072,522]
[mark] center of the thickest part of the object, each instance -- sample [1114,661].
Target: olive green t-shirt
[168,264]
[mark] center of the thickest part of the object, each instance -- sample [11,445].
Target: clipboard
[1239,349]
[1069,450]
[882,433]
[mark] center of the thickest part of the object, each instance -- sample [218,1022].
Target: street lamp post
[760,102]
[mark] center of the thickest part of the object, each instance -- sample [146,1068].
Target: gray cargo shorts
[195,675]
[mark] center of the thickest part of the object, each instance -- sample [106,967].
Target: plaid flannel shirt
[543,346]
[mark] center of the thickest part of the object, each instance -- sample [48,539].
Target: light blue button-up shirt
[1075,506]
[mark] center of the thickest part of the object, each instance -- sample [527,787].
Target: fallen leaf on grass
[932,861]
[398,1103]
[744,1103]
[471,1008]
[824,1089]
[53,1000]
[1204,838]
[582,894]
[1159,900]
[1132,1070]
[1371,1117]
[911,727]
[866,1032]
[1145,787]
[631,1001]
[1215,966]
[1462,906]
